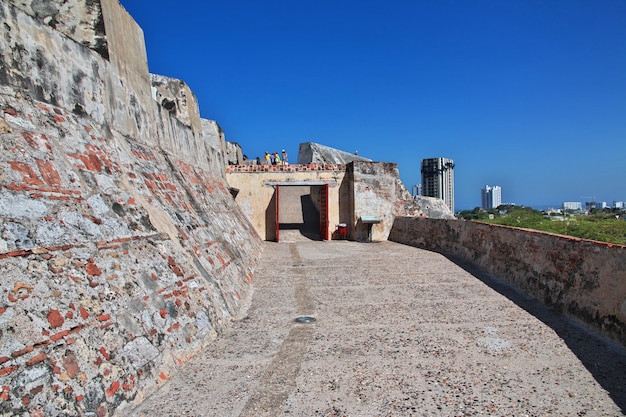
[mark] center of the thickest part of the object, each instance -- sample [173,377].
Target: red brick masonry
[285,168]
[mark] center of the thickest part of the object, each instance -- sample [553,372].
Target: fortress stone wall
[376,190]
[122,251]
[356,189]
[257,198]
[583,279]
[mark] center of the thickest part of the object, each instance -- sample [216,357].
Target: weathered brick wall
[119,260]
[581,278]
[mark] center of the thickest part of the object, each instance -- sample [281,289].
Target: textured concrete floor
[399,332]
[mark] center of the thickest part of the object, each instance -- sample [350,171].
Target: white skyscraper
[491,197]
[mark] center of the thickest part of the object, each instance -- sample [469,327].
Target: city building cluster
[438,182]
[589,205]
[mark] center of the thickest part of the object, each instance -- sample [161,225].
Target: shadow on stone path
[604,359]
[400,332]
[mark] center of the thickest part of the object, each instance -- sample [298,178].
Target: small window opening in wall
[169,105]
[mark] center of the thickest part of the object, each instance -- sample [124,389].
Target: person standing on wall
[285,162]
[267,158]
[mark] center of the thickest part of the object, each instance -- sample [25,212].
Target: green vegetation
[607,225]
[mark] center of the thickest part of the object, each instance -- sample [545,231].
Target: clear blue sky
[526,94]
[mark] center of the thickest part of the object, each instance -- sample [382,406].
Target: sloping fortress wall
[581,278]
[122,252]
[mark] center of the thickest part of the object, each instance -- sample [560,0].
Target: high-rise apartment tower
[491,197]
[438,179]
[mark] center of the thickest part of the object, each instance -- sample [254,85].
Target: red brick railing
[285,168]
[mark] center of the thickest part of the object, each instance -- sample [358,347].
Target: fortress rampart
[583,279]
[356,190]
[122,252]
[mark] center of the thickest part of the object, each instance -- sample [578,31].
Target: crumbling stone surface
[119,263]
[234,154]
[79,20]
[379,192]
[176,97]
[121,256]
[315,153]
[216,145]
[431,207]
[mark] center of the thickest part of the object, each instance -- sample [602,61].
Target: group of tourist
[275,159]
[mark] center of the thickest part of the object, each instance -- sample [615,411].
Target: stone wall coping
[284,168]
[556,235]
[299,183]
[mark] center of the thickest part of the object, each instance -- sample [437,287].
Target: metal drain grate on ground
[305,319]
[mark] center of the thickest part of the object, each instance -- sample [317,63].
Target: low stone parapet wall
[581,278]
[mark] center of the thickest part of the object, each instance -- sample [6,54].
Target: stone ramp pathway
[399,332]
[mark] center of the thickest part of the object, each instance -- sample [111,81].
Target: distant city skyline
[527,95]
